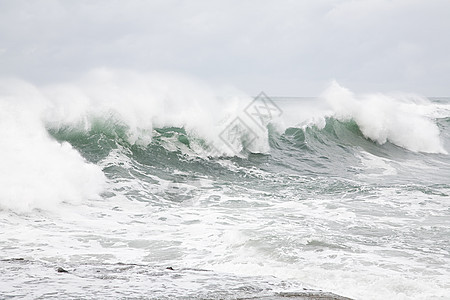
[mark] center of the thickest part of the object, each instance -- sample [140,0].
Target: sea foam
[38,172]
[402,119]
[145,101]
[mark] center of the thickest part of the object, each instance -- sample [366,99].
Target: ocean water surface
[145,186]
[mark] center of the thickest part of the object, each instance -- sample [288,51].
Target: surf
[68,128]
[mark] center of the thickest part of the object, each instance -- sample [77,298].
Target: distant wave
[401,119]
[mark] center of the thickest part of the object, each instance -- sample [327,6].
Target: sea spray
[142,102]
[134,107]
[37,171]
[399,119]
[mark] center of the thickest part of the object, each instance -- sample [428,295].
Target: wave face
[337,192]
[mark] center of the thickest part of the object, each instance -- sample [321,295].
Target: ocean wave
[182,113]
[135,108]
[401,119]
[45,129]
[131,106]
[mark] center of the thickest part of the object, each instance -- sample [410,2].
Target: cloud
[282,47]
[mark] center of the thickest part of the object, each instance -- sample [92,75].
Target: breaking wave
[53,137]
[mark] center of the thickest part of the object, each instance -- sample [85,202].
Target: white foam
[37,171]
[377,166]
[33,164]
[401,119]
[154,100]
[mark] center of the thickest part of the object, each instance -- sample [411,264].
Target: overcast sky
[290,48]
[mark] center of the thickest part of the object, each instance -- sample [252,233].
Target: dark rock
[13,259]
[305,295]
[61,270]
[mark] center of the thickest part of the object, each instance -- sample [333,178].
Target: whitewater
[159,186]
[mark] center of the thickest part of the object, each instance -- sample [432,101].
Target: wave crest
[400,119]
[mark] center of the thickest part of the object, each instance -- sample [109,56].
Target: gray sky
[286,48]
